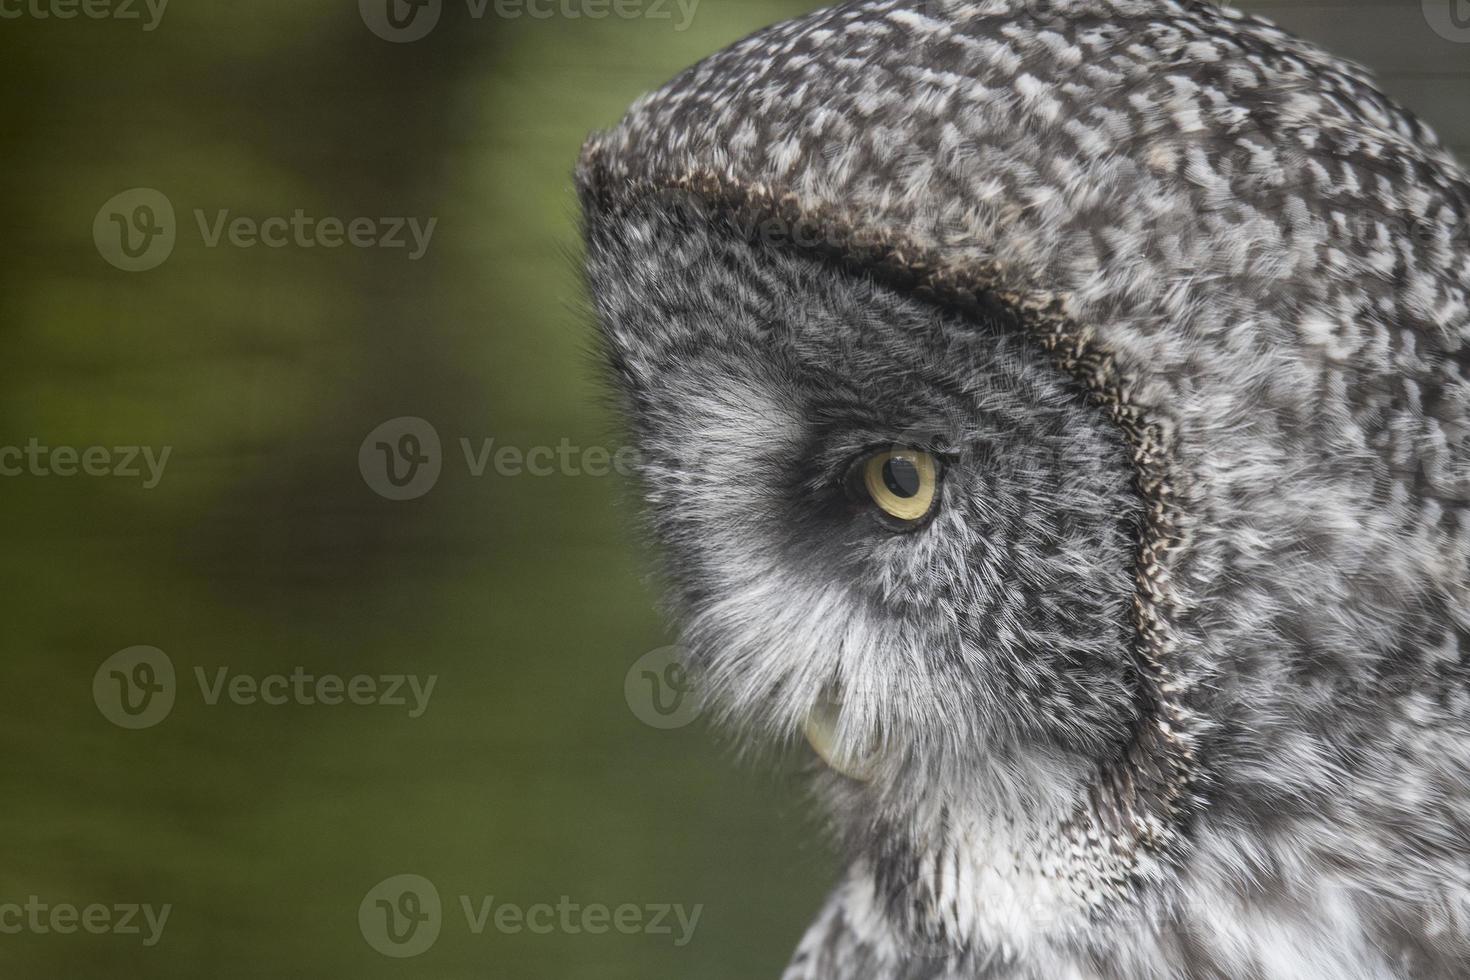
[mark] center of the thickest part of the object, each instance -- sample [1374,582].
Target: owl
[1054,421]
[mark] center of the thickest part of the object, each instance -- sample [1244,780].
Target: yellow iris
[902,482]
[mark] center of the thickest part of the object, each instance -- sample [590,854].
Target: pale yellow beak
[820,729]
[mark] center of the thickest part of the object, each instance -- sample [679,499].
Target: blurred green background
[264,548]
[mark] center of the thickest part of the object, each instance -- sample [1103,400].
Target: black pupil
[901,477]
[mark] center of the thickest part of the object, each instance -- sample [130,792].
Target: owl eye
[903,483]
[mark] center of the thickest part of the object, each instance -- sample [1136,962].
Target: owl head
[891,528]
[1052,414]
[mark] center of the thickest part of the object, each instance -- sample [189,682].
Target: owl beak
[821,730]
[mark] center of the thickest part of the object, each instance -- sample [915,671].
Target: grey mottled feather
[1177,684]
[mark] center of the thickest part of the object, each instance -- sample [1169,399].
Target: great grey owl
[1057,411]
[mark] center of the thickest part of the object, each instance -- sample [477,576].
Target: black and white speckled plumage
[1177,683]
